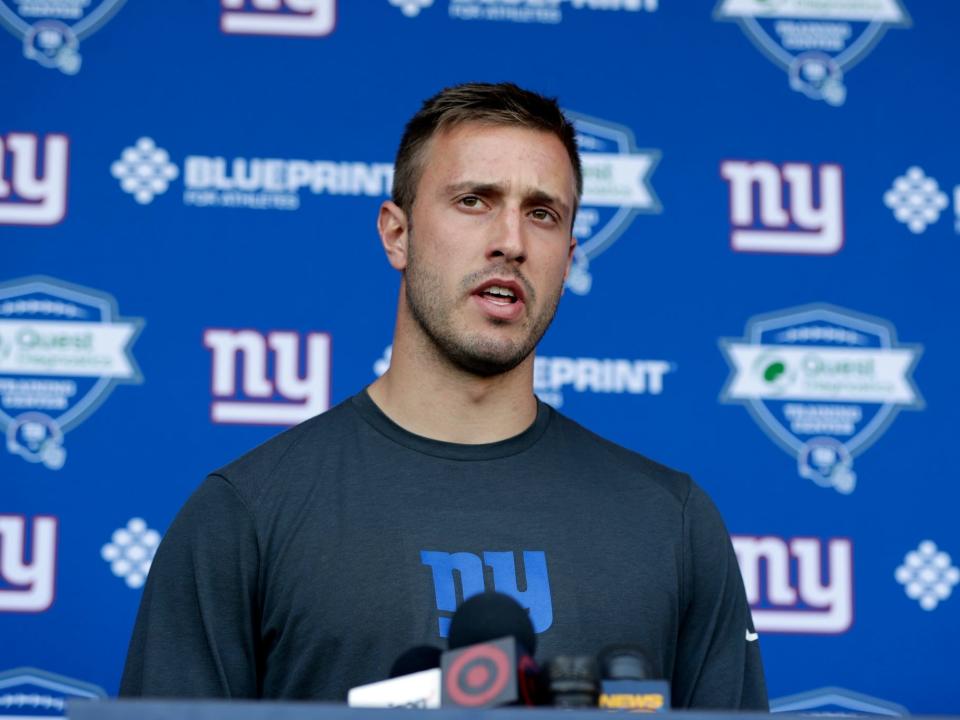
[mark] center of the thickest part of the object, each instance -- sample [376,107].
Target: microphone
[573,681]
[626,685]
[488,616]
[414,683]
[416,659]
[490,661]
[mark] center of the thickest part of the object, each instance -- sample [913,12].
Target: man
[308,565]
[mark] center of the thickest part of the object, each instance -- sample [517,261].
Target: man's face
[490,243]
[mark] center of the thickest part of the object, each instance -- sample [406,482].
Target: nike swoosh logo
[752,636]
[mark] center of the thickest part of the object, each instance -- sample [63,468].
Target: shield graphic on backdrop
[616,188]
[29,692]
[51,30]
[63,349]
[836,701]
[815,42]
[824,383]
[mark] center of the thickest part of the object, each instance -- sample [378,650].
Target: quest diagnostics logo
[63,349]
[146,171]
[824,383]
[616,189]
[547,12]
[816,42]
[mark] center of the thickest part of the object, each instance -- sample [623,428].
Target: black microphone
[490,661]
[626,682]
[624,662]
[416,659]
[573,681]
[488,616]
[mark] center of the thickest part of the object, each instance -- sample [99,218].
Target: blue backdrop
[763,296]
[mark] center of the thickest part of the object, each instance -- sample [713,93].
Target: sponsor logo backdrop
[763,293]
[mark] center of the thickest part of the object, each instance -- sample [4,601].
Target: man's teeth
[497,290]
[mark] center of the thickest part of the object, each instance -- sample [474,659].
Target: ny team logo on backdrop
[256,378]
[63,349]
[29,195]
[783,579]
[146,171]
[27,586]
[292,18]
[51,30]
[549,12]
[824,383]
[815,42]
[768,224]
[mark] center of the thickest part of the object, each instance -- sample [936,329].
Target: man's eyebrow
[539,197]
[476,186]
[534,197]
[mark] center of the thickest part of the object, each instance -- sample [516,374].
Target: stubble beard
[476,353]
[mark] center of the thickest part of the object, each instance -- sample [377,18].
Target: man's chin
[487,359]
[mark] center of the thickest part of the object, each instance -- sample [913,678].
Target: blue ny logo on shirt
[447,567]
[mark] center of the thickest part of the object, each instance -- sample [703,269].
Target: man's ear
[573,246]
[392,225]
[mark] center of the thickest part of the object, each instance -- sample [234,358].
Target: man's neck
[429,396]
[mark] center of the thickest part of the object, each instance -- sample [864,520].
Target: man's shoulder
[617,461]
[289,454]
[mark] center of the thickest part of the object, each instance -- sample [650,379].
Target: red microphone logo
[483,675]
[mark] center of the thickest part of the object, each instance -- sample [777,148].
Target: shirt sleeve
[718,659]
[196,633]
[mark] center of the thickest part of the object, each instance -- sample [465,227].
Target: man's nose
[508,240]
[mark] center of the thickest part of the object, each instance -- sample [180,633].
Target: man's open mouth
[499,294]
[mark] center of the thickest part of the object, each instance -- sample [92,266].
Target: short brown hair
[494,104]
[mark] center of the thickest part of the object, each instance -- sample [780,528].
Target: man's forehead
[489,153]
[489,132]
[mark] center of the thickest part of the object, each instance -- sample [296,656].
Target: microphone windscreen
[421,657]
[626,681]
[573,681]
[489,616]
[624,662]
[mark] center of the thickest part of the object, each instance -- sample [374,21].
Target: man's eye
[470,201]
[543,214]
